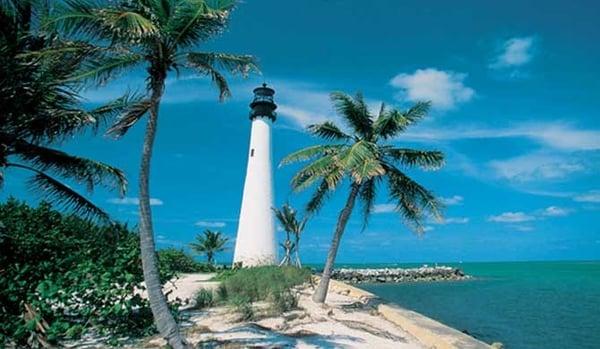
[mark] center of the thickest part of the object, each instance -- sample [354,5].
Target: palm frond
[413,200]
[368,191]
[318,197]
[427,160]
[391,122]
[194,21]
[114,108]
[116,23]
[328,130]
[354,111]
[309,153]
[311,173]
[209,64]
[99,71]
[62,195]
[132,114]
[86,171]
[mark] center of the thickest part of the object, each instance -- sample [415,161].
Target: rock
[389,275]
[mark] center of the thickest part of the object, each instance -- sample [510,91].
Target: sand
[343,322]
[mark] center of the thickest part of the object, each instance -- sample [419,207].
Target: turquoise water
[525,305]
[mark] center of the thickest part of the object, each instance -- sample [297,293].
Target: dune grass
[272,284]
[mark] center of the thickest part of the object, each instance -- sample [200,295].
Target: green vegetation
[159,36]
[174,261]
[40,108]
[63,275]
[366,158]
[271,284]
[291,225]
[209,243]
[204,299]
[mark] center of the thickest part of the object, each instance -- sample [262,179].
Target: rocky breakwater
[424,273]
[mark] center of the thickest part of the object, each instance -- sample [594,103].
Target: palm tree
[291,225]
[210,243]
[40,107]
[160,36]
[365,159]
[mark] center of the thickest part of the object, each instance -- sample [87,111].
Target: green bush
[272,284]
[243,306]
[260,283]
[204,299]
[73,274]
[282,301]
[174,261]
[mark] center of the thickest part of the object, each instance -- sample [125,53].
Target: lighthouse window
[252,152]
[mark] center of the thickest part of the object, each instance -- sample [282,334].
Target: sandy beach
[351,318]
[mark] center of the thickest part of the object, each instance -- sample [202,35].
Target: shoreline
[351,318]
[429,332]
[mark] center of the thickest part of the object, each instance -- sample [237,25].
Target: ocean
[524,305]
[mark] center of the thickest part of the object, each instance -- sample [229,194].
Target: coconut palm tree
[40,107]
[210,243]
[365,158]
[161,37]
[287,217]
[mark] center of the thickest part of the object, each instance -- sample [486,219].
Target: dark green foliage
[173,261]
[263,283]
[204,299]
[40,107]
[73,273]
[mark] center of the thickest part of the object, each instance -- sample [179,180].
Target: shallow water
[525,305]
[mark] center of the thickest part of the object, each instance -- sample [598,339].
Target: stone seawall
[390,275]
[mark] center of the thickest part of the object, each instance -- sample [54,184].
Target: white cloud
[557,135]
[134,201]
[384,208]
[445,89]
[515,52]
[590,196]
[210,224]
[453,200]
[455,220]
[555,211]
[428,228]
[511,217]
[536,166]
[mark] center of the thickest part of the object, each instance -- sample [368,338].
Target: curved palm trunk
[163,318]
[321,291]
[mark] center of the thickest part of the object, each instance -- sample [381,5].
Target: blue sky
[515,88]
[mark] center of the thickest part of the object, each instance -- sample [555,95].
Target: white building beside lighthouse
[255,243]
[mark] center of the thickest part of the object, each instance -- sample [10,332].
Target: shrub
[204,298]
[259,283]
[282,301]
[270,283]
[243,306]
[68,275]
[173,261]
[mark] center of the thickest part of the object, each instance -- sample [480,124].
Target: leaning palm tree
[160,36]
[40,108]
[365,159]
[210,243]
[292,226]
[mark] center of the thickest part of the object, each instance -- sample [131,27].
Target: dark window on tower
[251,152]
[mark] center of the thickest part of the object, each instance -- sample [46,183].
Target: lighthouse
[255,243]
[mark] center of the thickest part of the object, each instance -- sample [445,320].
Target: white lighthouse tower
[255,243]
